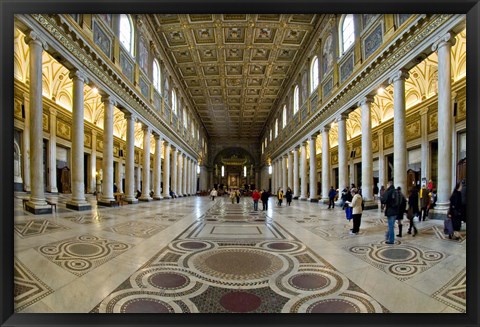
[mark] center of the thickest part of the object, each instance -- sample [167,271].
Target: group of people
[288,196]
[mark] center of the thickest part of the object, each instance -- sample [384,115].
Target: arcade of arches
[123,124]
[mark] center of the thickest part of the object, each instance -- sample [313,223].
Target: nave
[194,255]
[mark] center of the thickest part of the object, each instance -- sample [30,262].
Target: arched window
[185,117]
[314,74]
[276,128]
[296,99]
[174,101]
[347,32]
[284,116]
[156,76]
[126,33]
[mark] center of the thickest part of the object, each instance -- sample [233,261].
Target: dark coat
[332,193]
[265,196]
[413,201]
[387,200]
[288,196]
[403,208]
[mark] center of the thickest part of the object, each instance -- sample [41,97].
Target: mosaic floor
[192,254]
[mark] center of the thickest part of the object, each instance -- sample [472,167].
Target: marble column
[119,174]
[325,162]
[210,179]
[284,173]
[146,165]
[157,169]
[399,139]
[26,143]
[130,190]
[52,153]
[257,178]
[195,179]
[367,160]
[179,174]
[382,176]
[313,168]
[107,161]
[445,119]
[280,173]
[184,178]
[296,184]
[342,151]
[93,164]
[425,164]
[290,170]
[37,203]
[78,201]
[166,170]
[303,171]
[191,177]
[274,176]
[174,170]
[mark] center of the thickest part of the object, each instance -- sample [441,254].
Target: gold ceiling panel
[234,65]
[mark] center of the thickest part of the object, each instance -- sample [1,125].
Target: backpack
[396,199]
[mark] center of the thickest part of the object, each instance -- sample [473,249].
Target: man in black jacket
[391,210]
[264,197]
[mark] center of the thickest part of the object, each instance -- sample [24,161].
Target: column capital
[446,39]
[129,116]
[380,132]
[184,155]
[79,75]
[109,99]
[313,136]
[342,116]
[34,37]
[145,128]
[423,111]
[304,142]
[52,111]
[296,147]
[366,100]
[156,136]
[325,129]
[285,155]
[401,74]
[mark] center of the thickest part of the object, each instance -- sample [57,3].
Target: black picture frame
[8,8]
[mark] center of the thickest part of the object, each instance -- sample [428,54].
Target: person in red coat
[255,197]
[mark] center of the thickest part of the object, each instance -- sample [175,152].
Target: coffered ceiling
[234,66]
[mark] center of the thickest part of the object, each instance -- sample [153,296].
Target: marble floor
[192,254]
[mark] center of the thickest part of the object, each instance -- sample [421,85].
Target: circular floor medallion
[309,281]
[84,249]
[193,245]
[238,263]
[281,246]
[240,302]
[167,280]
[144,305]
[396,254]
[333,306]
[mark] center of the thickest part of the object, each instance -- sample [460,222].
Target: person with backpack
[357,209]
[392,203]
[401,210]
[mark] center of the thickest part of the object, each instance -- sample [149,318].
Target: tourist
[464,200]
[237,195]
[401,210]
[232,196]
[412,210]
[213,194]
[255,197]
[381,193]
[280,197]
[331,197]
[455,210]
[356,205]
[392,202]
[289,196]
[424,203]
[265,195]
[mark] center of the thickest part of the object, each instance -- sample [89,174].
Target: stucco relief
[87,140]
[413,130]
[388,140]
[64,130]
[45,123]
[432,122]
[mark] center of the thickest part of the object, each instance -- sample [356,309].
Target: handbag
[348,212]
[410,213]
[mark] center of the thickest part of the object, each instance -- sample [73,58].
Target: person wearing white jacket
[356,205]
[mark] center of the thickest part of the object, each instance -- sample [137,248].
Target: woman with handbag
[412,210]
[356,206]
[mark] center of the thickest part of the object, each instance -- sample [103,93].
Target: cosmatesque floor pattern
[194,255]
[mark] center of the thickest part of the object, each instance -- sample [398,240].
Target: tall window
[174,101]
[156,76]
[126,33]
[263,148]
[284,116]
[266,142]
[270,135]
[314,74]
[276,128]
[296,100]
[347,32]
[185,118]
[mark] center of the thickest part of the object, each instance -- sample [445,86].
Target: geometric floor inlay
[137,229]
[81,254]
[37,227]
[454,293]
[401,260]
[237,274]
[87,218]
[27,288]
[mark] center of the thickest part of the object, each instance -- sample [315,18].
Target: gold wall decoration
[137,157]
[461,110]
[432,122]
[334,158]
[375,143]
[99,143]
[387,140]
[87,140]
[45,123]
[17,105]
[413,130]
[64,130]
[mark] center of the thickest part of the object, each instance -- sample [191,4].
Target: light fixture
[270,169]
[198,169]
[244,171]
[223,171]
[380,90]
